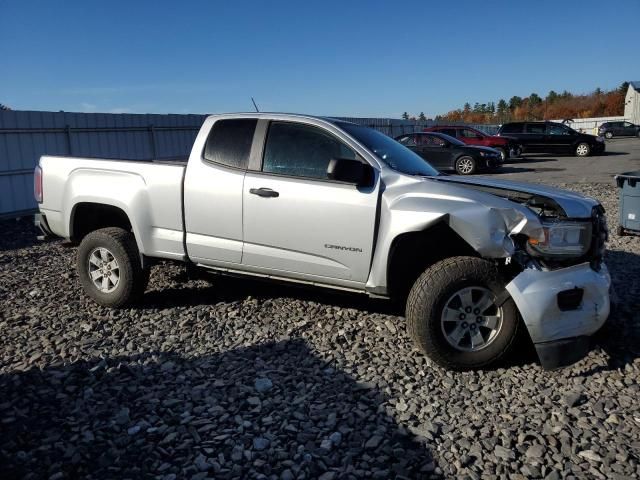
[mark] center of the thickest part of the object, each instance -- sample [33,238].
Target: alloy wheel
[104,270]
[471,320]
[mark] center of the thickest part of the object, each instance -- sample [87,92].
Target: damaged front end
[549,243]
[559,281]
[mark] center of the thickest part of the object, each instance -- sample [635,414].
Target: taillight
[37,184]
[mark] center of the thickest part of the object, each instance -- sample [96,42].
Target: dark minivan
[618,129]
[551,137]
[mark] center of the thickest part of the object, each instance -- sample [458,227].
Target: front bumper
[556,330]
[599,147]
[492,162]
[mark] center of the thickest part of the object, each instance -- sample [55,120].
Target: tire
[583,149]
[428,322]
[608,135]
[504,154]
[121,283]
[465,165]
[620,231]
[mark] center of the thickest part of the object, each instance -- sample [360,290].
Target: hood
[573,205]
[476,148]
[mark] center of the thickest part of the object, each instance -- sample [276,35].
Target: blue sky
[356,58]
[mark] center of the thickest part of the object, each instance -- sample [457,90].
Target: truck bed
[149,192]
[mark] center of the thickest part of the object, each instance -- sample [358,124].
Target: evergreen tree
[405,116]
[534,99]
[421,117]
[515,102]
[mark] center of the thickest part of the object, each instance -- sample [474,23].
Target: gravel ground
[238,379]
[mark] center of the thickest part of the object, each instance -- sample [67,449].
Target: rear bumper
[554,326]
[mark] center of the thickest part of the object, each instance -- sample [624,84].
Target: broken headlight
[561,239]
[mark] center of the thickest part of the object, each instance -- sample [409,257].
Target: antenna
[254,105]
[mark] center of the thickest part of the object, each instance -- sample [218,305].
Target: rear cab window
[229,142]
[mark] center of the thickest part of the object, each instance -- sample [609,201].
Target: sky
[341,58]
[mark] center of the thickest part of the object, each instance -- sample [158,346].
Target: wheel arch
[87,216]
[413,252]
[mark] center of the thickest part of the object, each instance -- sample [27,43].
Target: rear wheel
[454,316]
[608,135]
[583,150]
[109,268]
[465,165]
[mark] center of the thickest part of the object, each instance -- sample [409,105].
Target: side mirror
[350,171]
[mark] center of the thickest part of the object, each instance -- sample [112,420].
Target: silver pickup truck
[329,203]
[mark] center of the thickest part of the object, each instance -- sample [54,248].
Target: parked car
[323,202]
[445,152]
[471,136]
[618,129]
[552,137]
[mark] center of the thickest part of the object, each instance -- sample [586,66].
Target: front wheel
[583,150]
[454,316]
[109,267]
[465,166]
[608,135]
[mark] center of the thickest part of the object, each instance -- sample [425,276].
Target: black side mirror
[350,171]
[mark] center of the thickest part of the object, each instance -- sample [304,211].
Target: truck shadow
[619,338]
[243,413]
[210,288]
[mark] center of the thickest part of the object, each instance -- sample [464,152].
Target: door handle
[264,192]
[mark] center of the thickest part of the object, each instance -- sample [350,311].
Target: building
[632,103]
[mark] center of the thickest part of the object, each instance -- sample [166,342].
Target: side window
[558,130]
[423,140]
[449,131]
[466,133]
[538,128]
[437,141]
[229,142]
[627,124]
[301,150]
[407,141]
[512,128]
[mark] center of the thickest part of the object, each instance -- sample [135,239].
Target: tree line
[564,105]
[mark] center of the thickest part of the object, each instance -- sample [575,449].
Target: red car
[506,146]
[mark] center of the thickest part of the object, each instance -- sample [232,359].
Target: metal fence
[27,135]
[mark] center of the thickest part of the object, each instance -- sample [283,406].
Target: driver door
[297,223]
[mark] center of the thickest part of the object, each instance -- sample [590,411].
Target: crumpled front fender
[482,220]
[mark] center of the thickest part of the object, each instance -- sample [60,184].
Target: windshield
[392,153]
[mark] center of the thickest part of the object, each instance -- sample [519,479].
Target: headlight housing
[562,240]
[488,154]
